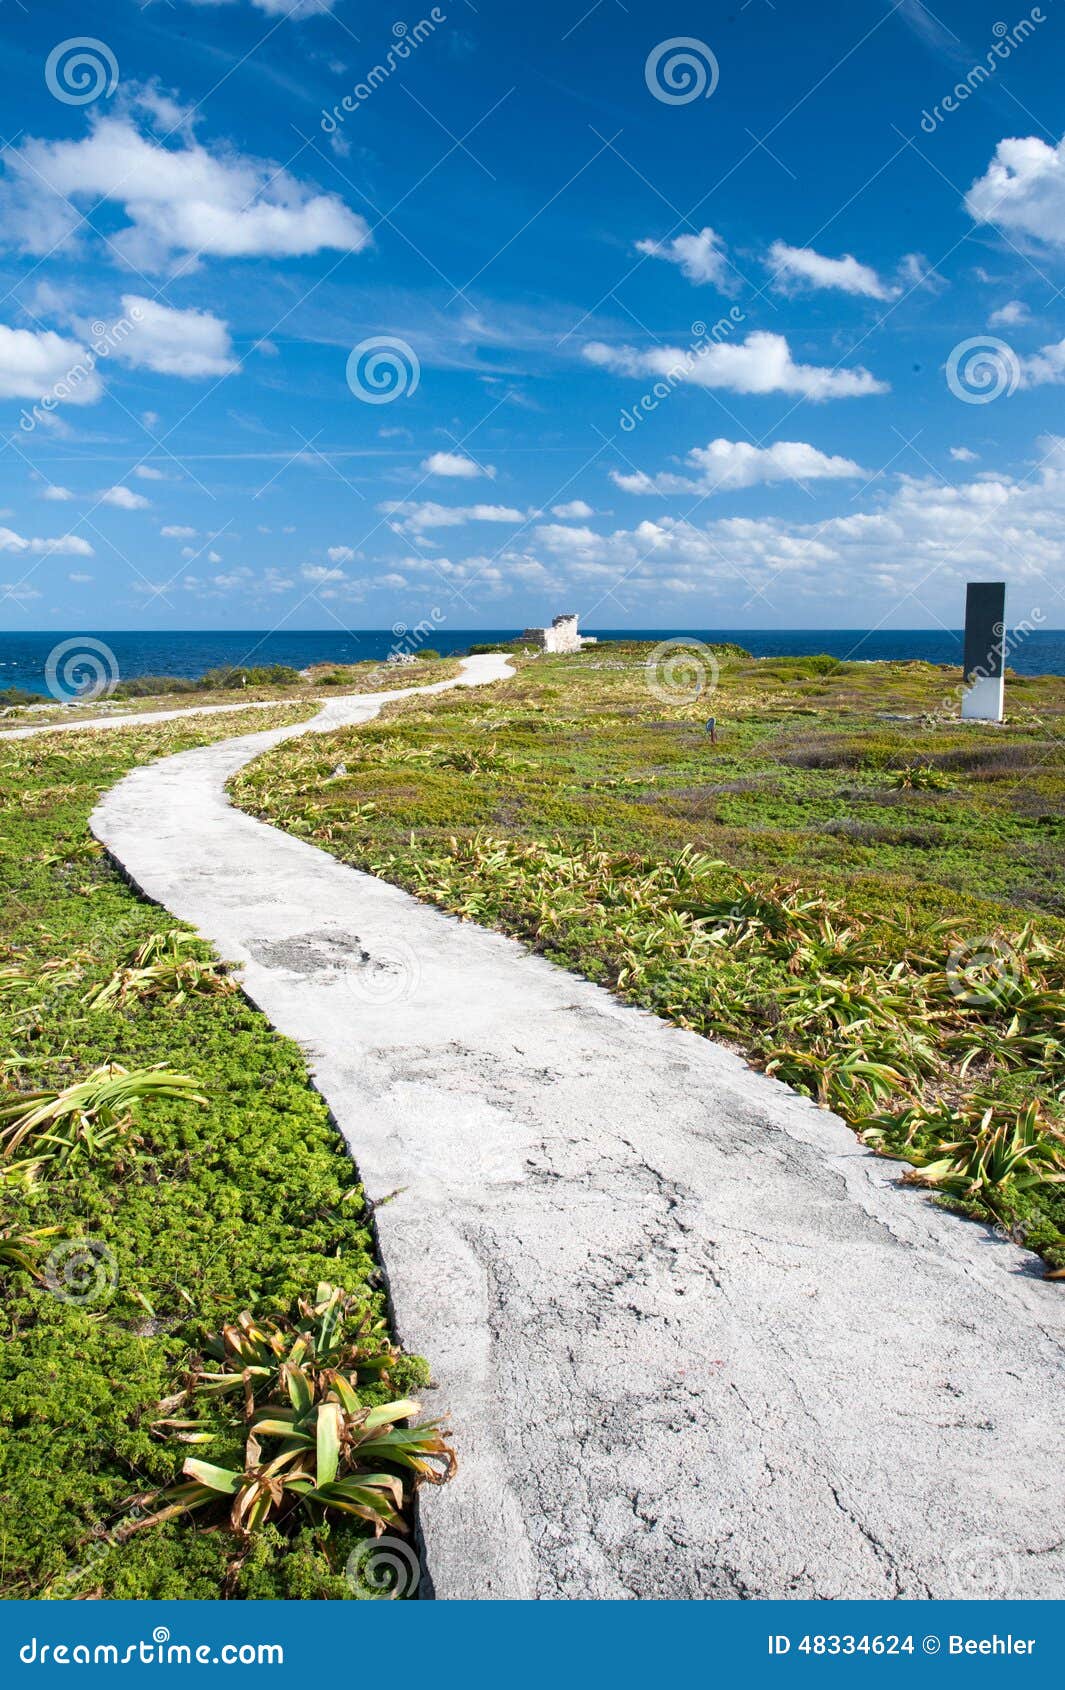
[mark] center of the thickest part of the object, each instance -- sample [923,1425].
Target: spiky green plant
[86,1117]
[158,968]
[299,1391]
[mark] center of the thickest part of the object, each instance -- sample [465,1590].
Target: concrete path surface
[692,1339]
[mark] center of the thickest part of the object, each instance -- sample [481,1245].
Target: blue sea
[23,657]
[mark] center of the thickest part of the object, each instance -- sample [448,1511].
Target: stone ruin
[561,636]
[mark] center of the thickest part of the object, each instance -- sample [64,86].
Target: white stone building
[561,636]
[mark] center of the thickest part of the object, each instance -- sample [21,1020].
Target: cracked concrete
[693,1339]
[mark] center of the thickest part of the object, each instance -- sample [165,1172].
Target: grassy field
[861,893]
[133,1233]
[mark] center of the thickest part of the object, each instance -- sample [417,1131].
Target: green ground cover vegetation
[165,1166]
[860,892]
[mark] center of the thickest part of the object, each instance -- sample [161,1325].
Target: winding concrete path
[693,1340]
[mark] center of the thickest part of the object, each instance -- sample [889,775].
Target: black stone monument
[985,656]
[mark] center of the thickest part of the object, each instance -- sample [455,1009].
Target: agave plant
[88,1116]
[156,968]
[990,1148]
[299,1393]
[334,1333]
[972,1155]
[847,1080]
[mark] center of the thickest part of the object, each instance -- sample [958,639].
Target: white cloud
[1009,315]
[1045,367]
[916,272]
[725,465]
[124,498]
[79,579]
[235,578]
[146,473]
[924,537]
[283,8]
[177,199]
[178,531]
[576,509]
[796,267]
[214,557]
[70,544]
[35,364]
[340,554]
[58,495]
[760,364]
[962,455]
[456,464]
[701,258]
[174,343]
[1023,189]
[412,517]
[318,574]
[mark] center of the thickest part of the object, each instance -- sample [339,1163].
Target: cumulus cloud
[412,517]
[340,554]
[760,364]
[701,258]
[318,574]
[795,267]
[124,498]
[79,578]
[725,465]
[1023,189]
[37,363]
[457,464]
[70,544]
[924,536]
[58,495]
[1045,367]
[178,531]
[172,342]
[178,199]
[962,455]
[1009,315]
[576,509]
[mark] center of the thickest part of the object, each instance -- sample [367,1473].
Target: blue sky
[673,316]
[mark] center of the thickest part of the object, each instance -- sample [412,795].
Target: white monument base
[982,700]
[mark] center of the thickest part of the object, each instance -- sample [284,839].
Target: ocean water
[24,657]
